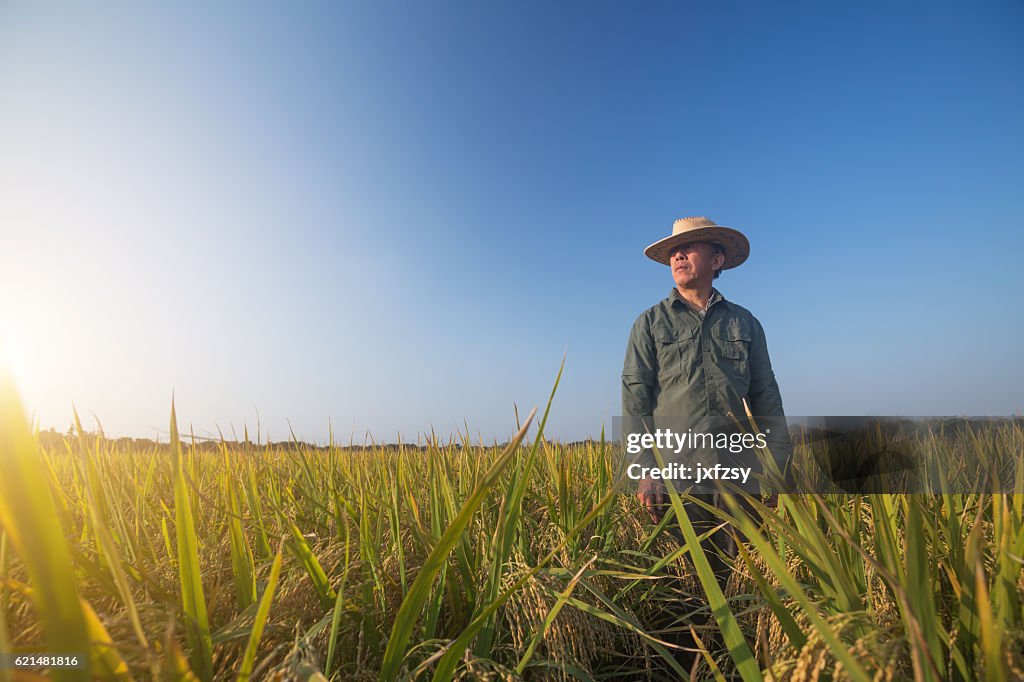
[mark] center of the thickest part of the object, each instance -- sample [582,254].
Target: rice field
[456,560]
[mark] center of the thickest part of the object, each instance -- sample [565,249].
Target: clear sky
[398,216]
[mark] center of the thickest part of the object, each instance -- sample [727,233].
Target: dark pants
[720,550]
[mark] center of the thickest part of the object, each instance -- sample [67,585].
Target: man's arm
[639,371]
[639,375]
[766,402]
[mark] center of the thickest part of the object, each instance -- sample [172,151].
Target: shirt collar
[674,297]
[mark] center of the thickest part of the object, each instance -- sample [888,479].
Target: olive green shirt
[682,364]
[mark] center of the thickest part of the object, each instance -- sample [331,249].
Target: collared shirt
[681,364]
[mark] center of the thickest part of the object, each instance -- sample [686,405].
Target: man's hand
[653,496]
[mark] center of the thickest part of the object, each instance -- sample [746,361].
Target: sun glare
[17,359]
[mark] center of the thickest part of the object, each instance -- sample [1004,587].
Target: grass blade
[30,520]
[193,600]
[262,612]
[420,589]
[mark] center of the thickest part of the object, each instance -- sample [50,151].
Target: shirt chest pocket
[675,348]
[733,343]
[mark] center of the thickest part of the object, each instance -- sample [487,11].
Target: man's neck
[697,297]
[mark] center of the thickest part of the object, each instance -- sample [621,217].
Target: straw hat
[701,229]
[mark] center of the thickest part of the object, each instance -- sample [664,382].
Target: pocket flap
[665,334]
[732,333]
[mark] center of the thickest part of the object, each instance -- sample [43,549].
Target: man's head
[695,264]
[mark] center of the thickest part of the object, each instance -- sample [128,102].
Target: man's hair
[718,249]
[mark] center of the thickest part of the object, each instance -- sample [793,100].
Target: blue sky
[398,216]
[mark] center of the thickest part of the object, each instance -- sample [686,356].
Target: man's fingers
[655,504]
[653,497]
[647,501]
[653,508]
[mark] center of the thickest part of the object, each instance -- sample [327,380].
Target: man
[695,357]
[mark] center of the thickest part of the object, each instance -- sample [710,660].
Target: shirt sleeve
[766,402]
[639,376]
[639,371]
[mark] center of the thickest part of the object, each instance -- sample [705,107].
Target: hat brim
[735,243]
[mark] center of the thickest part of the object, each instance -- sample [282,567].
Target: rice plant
[448,559]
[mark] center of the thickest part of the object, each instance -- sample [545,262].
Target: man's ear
[718,261]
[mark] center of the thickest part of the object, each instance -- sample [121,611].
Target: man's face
[694,263]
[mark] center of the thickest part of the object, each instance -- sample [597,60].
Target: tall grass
[453,559]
